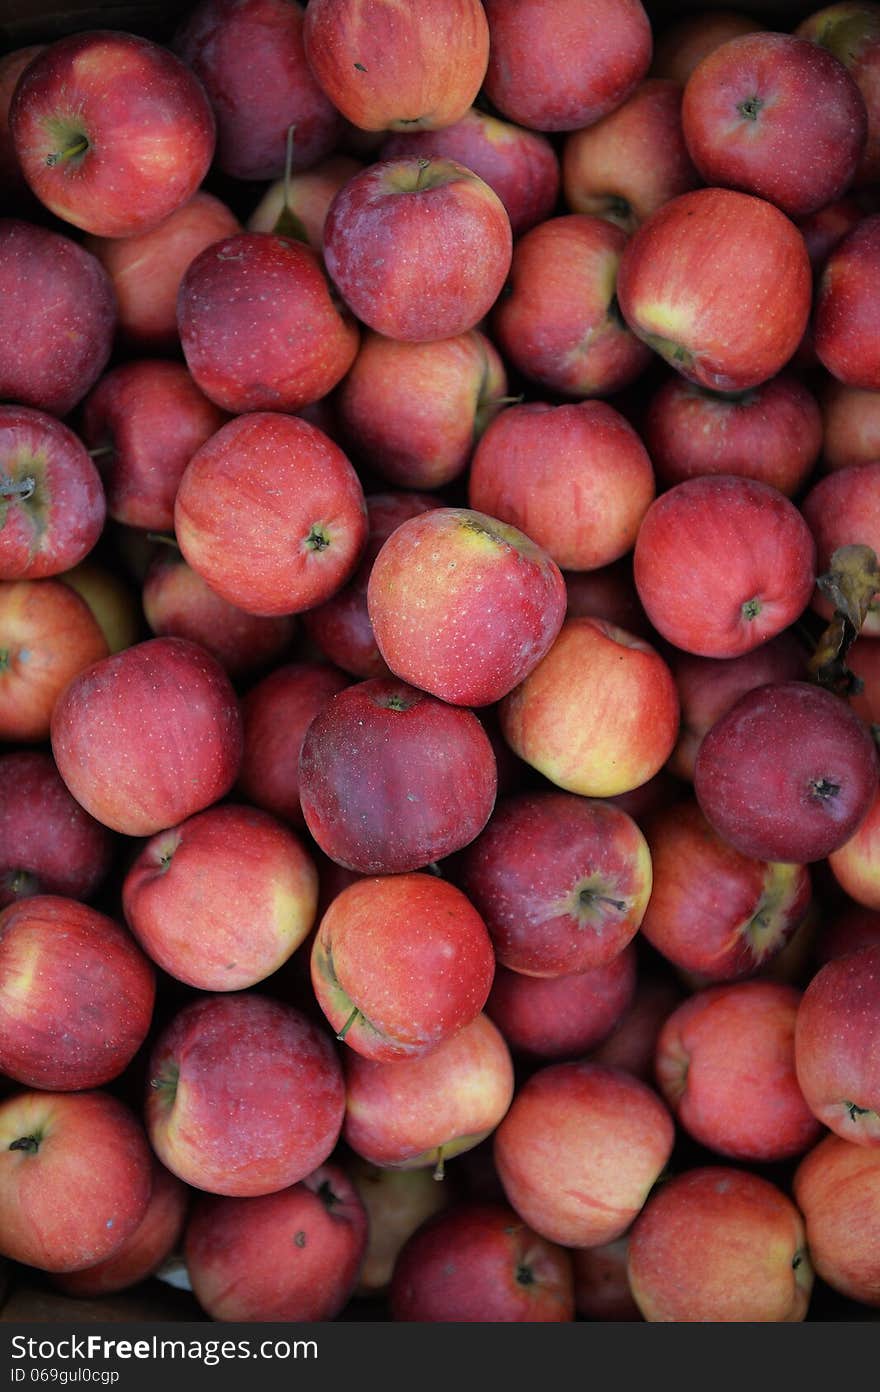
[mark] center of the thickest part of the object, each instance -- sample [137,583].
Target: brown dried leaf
[849,584]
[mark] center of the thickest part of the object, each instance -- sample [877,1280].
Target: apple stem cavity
[855,1111]
[78,146]
[525,1276]
[165,1083]
[348,1024]
[317,539]
[21,490]
[824,789]
[30,1144]
[587,897]
[751,609]
[749,108]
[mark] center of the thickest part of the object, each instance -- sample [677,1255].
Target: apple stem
[287,224]
[348,1024]
[423,164]
[507,400]
[77,147]
[163,540]
[22,490]
[439,1170]
[29,1143]
[101,450]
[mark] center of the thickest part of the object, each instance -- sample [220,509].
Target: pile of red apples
[440,662]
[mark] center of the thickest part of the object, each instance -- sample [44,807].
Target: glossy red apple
[837,1189]
[846,307]
[856,864]
[836,1046]
[850,31]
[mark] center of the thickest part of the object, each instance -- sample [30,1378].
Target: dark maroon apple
[788,773]
[562,1017]
[392,779]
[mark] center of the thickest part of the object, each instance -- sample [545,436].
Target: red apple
[684,43]
[579,1151]
[772,433]
[75,1178]
[837,1189]
[255,101]
[788,774]
[826,227]
[397,1202]
[627,165]
[223,899]
[276,714]
[633,1042]
[601,1285]
[518,164]
[856,864]
[714,911]
[419,1112]
[846,307]
[599,715]
[149,736]
[259,325]
[293,1255]
[478,1263]
[112,131]
[47,636]
[608,593]
[12,65]
[737,540]
[851,32]
[391,778]
[558,321]
[146,269]
[48,843]
[720,1245]
[245,1095]
[413,411]
[57,318]
[398,68]
[776,116]
[444,247]
[563,67]
[725,1064]
[271,514]
[306,196]
[836,1046]
[464,606]
[576,479]
[562,882]
[76,995]
[561,1017]
[719,283]
[52,505]
[841,509]
[850,425]
[401,963]
[144,421]
[863,660]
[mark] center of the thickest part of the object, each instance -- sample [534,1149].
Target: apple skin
[392,779]
[387,67]
[557,321]
[178,603]
[47,636]
[292,1255]
[715,911]
[12,181]
[477,1263]
[599,715]
[601,1285]
[397,1203]
[846,307]
[725,1065]
[276,714]
[255,101]
[341,626]
[413,411]
[223,899]
[562,882]
[739,540]
[632,1043]
[259,326]
[76,995]
[841,509]
[419,249]
[50,845]
[850,425]
[627,165]
[608,593]
[721,1245]
[145,420]
[561,1017]
[417,1113]
[120,94]
[140,1255]
[75,1178]
[410,955]
[145,270]
[801,751]
[837,1189]
[463,605]
[579,1150]
[856,864]
[50,359]
[111,601]
[719,283]
[52,502]
[836,1054]
[851,32]
[776,116]
[165,706]
[709,686]
[519,165]
[686,42]
[245,1095]
[575,478]
[271,514]
[564,67]
[772,433]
